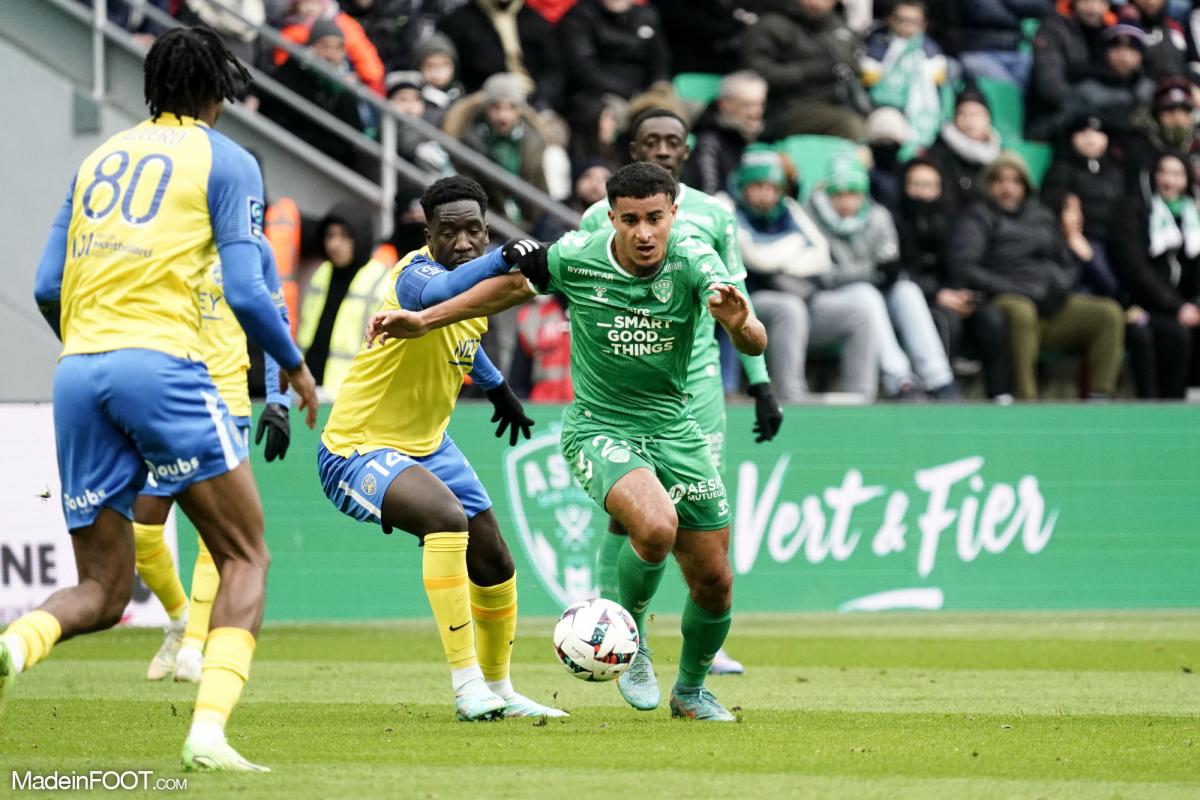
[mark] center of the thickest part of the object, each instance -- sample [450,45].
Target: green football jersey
[699,216]
[631,338]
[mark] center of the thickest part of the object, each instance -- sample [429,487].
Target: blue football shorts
[154,489]
[120,413]
[356,485]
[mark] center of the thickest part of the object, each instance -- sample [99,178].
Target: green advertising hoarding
[867,508]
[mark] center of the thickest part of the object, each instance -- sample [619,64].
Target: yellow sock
[227,657]
[205,580]
[444,570]
[494,609]
[36,633]
[157,569]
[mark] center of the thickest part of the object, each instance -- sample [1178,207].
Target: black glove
[529,256]
[768,416]
[274,423]
[509,411]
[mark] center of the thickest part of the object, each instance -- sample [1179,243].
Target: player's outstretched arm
[444,285]
[484,299]
[47,285]
[730,308]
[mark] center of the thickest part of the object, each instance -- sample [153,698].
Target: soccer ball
[596,640]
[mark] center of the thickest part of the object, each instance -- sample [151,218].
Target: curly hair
[187,69]
[451,190]
[640,180]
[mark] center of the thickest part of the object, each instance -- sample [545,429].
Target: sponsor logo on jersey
[663,289]
[256,214]
[216,273]
[711,489]
[634,335]
[600,293]
[590,273]
[557,522]
[429,270]
[170,472]
[84,501]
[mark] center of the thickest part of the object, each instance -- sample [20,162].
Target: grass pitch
[893,706]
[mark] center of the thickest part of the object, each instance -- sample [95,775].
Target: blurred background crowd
[934,199]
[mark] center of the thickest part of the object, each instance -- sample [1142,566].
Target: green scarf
[1173,228]
[835,223]
[909,84]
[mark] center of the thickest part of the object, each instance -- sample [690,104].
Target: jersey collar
[682,191]
[167,118]
[612,259]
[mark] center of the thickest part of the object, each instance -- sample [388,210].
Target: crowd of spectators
[927,247]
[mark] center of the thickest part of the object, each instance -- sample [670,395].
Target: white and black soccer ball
[596,640]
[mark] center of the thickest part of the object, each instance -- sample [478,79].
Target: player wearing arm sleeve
[385,457]
[149,211]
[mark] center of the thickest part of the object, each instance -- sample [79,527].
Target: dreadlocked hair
[189,68]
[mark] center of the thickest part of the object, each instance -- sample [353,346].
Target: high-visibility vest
[366,293]
[282,230]
[544,332]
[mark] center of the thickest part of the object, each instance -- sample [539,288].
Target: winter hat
[1173,92]
[970,94]
[1084,122]
[403,79]
[760,163]
[436,44]
[504,86]
[1124,33]
[847,174]
[322,28]
[584,164]
[1007,158]
[887,125]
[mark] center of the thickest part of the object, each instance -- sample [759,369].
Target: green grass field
[892,706]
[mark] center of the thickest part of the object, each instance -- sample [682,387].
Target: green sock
[606,565]
[703,635]
[639,581]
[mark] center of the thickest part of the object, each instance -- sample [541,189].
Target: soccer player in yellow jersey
[148,211]
[385,457]
[223,348]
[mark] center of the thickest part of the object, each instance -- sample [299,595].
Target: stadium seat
[1007,107]
[1037,157]
[811,156]
[697,87]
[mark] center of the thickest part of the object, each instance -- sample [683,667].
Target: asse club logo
[558,523]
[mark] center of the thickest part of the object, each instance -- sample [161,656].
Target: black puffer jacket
[1020,252]
[1160,284]
[717,152]
[996,24]
[1099,184]
[609,53]
[924,230]
[800,58]
[1064,53]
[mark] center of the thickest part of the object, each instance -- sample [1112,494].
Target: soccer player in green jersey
[659,136]
[637,295]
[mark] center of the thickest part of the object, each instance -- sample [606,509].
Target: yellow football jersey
[400,394]
[223,344]
[149,208]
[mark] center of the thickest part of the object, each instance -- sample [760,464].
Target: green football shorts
[708,407]
[679,456]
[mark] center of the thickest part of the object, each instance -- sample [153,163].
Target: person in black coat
[1083,168]
[1011,248]
[615,47]
[482,53]
[1155,246]
[968,328]
[727,127]
[965,146]
[990,33]
[1067,50]
[328,43]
